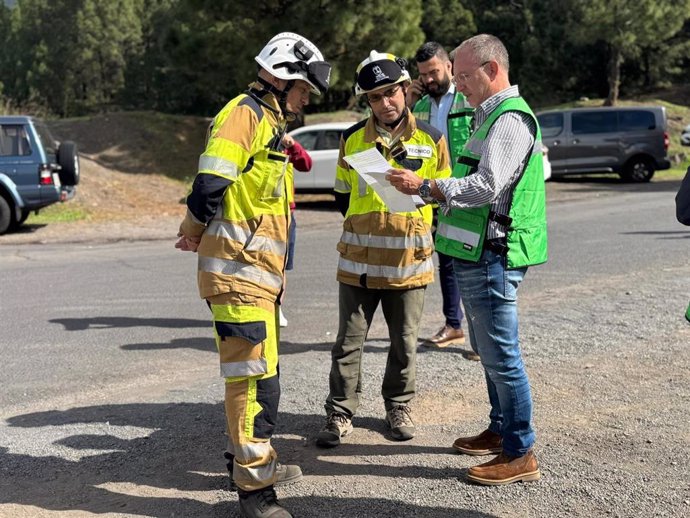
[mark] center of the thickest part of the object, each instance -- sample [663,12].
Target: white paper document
[372,167]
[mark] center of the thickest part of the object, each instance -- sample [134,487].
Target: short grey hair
[486,47]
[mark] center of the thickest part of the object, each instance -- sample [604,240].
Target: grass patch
[58,213]
[677,172]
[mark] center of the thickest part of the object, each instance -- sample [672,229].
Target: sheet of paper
[372,167]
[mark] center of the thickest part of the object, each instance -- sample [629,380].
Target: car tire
[22,218]
[638,170]
[6,218]
[68,158]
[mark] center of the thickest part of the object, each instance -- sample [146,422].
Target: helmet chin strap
[281,96]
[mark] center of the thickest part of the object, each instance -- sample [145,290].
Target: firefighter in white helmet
[385,256]
[237,221]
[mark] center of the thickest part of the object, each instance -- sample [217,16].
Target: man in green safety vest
[433,98]
[492,221]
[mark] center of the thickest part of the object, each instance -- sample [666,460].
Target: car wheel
[638,170]
[5,215]
[22,218]
[68,158]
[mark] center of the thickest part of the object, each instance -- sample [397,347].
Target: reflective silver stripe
[249,451]
[474,145]
[228,230]
[341,186]
[362,186]
[248,368]
[220,166]
[390,272]
[262,473]
[458,234]
[404,242]
[242,270]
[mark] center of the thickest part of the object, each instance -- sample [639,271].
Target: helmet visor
[319,74]
[316,73]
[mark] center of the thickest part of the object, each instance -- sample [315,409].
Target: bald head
[480,68]
[485,47]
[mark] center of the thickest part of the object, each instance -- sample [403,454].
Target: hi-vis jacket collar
[371,135]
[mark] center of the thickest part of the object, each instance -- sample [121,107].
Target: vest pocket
[273,181]
[241,348]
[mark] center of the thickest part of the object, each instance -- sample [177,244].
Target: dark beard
[442,89]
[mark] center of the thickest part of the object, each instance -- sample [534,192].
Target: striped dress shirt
[505,152]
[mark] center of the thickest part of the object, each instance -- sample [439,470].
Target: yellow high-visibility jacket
[380,249]
[238,204]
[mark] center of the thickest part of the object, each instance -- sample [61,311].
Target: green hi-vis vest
[462,233]
[459,118]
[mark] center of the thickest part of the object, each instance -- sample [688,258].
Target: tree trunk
[614,76]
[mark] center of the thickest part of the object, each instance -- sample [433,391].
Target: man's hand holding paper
[375,170]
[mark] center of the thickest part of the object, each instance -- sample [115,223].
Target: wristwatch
[424,190]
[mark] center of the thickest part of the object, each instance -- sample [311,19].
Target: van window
[551,124]
[14,141]
[636,120]
[594,122]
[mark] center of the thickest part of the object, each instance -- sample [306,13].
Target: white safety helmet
[290,56]
[379,70]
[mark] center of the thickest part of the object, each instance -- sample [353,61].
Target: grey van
[630,141]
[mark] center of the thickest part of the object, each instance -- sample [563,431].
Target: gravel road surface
[111,402]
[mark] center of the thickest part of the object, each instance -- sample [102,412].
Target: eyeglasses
[464,77]
[377,98]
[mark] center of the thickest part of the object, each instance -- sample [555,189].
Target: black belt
[497,246]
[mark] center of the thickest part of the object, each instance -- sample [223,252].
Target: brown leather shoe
[486,443]
[446,336]
[505,469]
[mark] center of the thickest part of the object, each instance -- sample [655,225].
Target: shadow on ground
[183,453]
[81,324]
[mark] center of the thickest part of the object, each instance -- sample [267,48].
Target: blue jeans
[450,291]
[489,293]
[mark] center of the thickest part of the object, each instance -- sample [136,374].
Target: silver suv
[630,141]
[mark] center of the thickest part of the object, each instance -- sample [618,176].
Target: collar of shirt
[438,114]
[485,109]
[373,132]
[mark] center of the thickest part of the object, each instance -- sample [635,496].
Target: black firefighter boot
[285,473]
[261,503]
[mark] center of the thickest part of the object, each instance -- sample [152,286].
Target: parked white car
[322,142]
